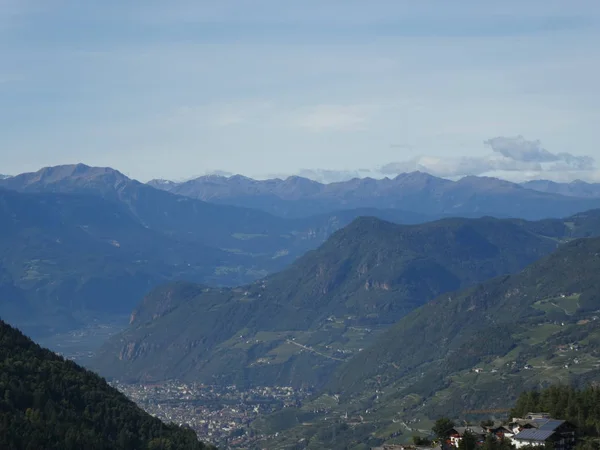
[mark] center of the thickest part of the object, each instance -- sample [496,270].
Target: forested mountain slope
[49,403]
[475,349]
[295,326]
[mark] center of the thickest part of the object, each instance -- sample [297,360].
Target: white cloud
[458,166]
[520,149]
[511,154]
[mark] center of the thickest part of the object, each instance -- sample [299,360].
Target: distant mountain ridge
[420,192]
[295,326]
[260,236]
[82,241]
[576,188]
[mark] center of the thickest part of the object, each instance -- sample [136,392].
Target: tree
[418,440]
[491,443]
[442,428]
[468,441]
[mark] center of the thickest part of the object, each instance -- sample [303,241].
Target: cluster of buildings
[535,429]
[220,415]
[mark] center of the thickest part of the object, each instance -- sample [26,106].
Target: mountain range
[81,242]
[50,403]
[387,321]
[576,188]
[416,191]
[84,241]
[296,326]
[238,230]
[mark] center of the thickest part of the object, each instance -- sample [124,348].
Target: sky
[328,89]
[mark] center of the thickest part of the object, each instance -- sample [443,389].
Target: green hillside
[295,327]
[475,349]
[49,403]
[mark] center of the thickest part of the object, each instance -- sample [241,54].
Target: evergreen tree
[442,428]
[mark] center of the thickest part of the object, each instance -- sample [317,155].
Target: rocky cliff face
[163,300]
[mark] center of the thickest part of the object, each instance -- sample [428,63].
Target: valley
[81,344]
[317,225]
[359,331]
[95,242]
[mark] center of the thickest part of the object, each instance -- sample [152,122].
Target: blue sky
[324,88]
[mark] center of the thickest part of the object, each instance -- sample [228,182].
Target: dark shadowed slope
[49,403]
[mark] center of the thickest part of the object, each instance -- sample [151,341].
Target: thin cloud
[333,176]
[223,114]
[334,117]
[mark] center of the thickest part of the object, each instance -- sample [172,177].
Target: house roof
[534,434]
[502,427]
[548,424]
[540,424]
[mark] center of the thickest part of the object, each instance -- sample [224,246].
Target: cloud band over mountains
[509,154]
[520,149]
[513,158]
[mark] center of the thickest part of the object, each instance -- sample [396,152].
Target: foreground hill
[294,327]
[416,191]
[49,403]
[478,348]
